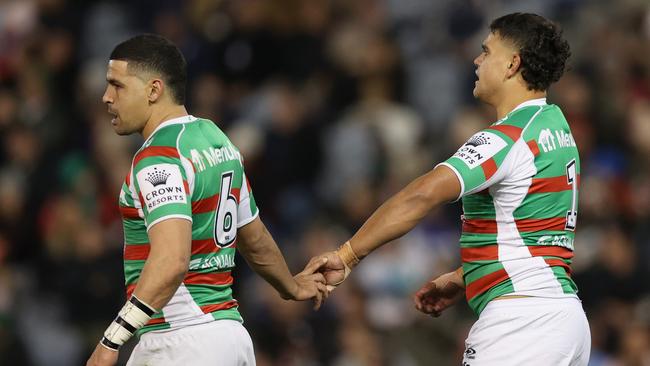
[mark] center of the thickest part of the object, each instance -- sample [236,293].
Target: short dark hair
[542,48]
[154,53]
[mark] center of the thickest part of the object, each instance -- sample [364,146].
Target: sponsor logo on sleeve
[161,184]
[480,148]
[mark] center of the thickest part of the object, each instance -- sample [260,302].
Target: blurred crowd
[335,106]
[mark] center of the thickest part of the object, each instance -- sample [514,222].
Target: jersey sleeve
[479,163]
[162,184]
[247,210]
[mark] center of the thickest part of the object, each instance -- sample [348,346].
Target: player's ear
[514,65]
[156,88]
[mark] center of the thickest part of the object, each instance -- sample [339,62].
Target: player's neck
[160,116]
[515,98]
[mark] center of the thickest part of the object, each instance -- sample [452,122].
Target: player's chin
[476,91]
[121,131]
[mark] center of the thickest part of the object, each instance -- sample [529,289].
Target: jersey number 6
[225,228]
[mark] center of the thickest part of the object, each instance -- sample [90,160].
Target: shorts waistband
[532,302]
[164,333]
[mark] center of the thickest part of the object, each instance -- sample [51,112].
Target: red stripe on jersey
[511,131]
[489,226]
[235,192]
[484,253]
[546,185]
[141,251]
[127,180]
[489,168]
[550,251]
[531,225]
[187,187]
[480,226]
[156,321]
[534,148]
[216,278]
[550,185]
[558,263]
[129,212]
[204,246]
[129,290]
[150,151]
[205,205]
[248,185]
[485,283]
[224,306]
[134,252]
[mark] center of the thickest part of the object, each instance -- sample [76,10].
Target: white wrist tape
[134,314]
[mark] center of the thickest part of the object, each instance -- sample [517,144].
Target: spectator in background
[238,50]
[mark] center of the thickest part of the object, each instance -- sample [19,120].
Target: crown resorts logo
[477,140]
[157,177]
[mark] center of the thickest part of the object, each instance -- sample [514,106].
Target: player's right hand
[439,294]
[333,270]
[310,284]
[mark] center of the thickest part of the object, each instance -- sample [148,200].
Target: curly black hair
[543,50]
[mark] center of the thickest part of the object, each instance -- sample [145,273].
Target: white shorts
[221,342]
[530,331]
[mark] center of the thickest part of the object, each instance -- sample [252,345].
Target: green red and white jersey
[188,169]
[519,187]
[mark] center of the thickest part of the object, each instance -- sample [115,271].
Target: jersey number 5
[572,179]
[225,228]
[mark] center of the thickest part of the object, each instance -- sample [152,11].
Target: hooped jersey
[188,169]
[519,187]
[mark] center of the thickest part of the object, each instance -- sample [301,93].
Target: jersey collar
[528,103]
[531,102]
[173,121]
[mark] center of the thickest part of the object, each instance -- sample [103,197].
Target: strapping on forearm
[133,316]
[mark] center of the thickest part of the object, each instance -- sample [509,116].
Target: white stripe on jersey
[182,310]
[525,271]
[244,214]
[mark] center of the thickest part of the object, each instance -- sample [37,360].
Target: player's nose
[106,98]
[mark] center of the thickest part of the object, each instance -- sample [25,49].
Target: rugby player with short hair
[518,180]
[186,207]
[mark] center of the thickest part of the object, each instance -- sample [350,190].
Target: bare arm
[169,255]
[168,262]
[407,208]
[261,252]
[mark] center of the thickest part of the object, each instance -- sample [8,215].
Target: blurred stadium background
[335,105]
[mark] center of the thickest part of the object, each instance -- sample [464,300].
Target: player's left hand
[102,356]
[439,294]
